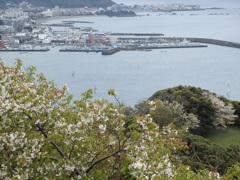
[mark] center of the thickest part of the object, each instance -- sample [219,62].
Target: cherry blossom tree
[224,113]
[46,135]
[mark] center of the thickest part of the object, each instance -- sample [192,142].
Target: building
[15,13]
[47,13]
[2,44]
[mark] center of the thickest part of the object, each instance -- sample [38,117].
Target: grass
[225,137]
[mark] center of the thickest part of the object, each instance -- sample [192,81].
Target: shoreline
[47,19]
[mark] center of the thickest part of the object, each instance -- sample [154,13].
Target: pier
[77,22]
[136,48]
[114,50]
[136,34]
[215,42]
[61,25]
[110,51]
[203,40]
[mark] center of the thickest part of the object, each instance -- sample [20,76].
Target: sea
[136,75]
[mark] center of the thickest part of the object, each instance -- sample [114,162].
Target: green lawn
[225,137]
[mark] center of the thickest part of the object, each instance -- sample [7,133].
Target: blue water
[137,75]
[202,3]
[224,27]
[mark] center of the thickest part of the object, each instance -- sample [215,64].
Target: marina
[138,73]
[133,45]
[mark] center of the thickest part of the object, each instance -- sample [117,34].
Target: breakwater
[180,39]
[110,51]
[136,34]
[77,22]
[205,41]
[136,48]
[147,48]
[104,51]
[215,42]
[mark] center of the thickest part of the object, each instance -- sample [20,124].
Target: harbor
[128,71]
[113,50]
[72,38]
[69,36]
[108,43]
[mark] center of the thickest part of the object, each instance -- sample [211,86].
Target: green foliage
[202,154]
[162,115]
[112,92]
[166,113]
[182,174]
[121,13]
[233,173]
[142,108]
[225,137]
[88,95]
[45,135]
[209,109]
[236,106]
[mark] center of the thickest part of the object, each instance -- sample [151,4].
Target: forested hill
[63,3]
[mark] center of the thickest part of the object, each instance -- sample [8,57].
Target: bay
[202,3]
[137,75]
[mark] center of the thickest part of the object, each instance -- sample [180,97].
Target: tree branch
[52,142]
[102,159]
[77,171]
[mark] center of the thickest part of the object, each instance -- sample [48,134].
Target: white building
[42,36]
[57,11]
[47,13]
[16,13]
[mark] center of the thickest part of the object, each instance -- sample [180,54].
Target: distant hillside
[63,3]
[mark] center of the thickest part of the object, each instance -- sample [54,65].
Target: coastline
[47,19]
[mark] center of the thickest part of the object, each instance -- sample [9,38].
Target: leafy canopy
[45,135]
[210,110]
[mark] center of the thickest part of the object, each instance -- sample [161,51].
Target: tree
[236,106]
[224,113]
[165,113]
[46,135]
[203,154]
[210,110]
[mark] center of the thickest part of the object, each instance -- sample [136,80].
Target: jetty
[104,51]
[136,34]
[201,40]
[111,51]
[80,50]
[136,48]
[61,25]
[215,42]
[77,22]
